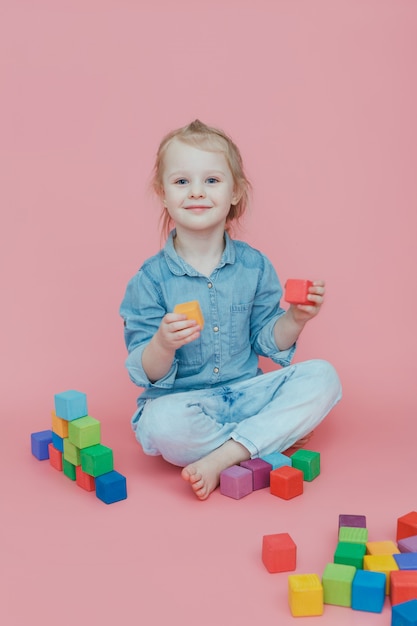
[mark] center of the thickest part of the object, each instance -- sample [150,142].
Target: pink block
[409,544]
[261,471]
[236,482]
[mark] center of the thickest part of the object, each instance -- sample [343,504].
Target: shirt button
[209,285]
[216,329]
[216,370]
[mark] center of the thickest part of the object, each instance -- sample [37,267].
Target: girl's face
[198,187]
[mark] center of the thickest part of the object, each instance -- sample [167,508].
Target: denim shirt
[240,305]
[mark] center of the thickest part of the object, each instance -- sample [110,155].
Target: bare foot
[204,474]
[299,444]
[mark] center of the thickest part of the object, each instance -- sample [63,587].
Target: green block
[308,462]
[337,584]
[84,432]
[350,534]
[97,460]
[68,469]
[350,554]
[71,452]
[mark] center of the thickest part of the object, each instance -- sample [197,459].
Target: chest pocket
[240,327]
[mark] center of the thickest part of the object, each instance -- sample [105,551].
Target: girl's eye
[212,180]
[181,181]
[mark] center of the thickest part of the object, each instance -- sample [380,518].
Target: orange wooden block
[407,525]
[403,586]
[83,480]
[296,291]
[55,457]
[192,310]
[286,482]
[59,426]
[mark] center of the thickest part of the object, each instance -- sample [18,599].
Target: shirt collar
[179,267]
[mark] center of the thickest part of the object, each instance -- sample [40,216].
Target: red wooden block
[279,553]
[407,525]
[55,457]
[403,586]
[286,482]
[296,291]
[83,480]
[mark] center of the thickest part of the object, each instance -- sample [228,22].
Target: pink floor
[163,557]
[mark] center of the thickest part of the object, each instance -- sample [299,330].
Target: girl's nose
[196,190]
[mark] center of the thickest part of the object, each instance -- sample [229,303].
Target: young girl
[206,405]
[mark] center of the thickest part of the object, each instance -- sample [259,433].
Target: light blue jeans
[265,414]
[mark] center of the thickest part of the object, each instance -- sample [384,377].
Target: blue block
[58,442]
[70,405]
[406,560]
[368,591]
[111,487]
[276,459]
[404,614]
[39,444]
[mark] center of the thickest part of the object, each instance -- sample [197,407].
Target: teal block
[58,442]
[368,591]
[308,462]
[277,459]
[70,405]
[404,614]
[111,487]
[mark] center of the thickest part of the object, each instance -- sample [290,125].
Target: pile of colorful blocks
[284,475]
[362,574]
[73,446]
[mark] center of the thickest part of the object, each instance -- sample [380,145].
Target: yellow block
[384,563]
[59,426]
[305,595]
[192,310]
[381,547]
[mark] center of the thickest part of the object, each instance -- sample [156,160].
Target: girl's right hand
[176,330]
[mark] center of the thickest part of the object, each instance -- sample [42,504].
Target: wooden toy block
[296,291]
[353,534]
[39,443]
[305,595]
[381,547]
[192,310]
[55,457]
[286,482]
[406,560]
[84,432]
[83,480]
[353,521]
[260,472]
[68,469]
[409,544]
[337,584]
[70,405]
[71,452]
[59,426]
[368,591]
[279,553]
[236,482]
[277,459]
[111,487]
[308,462]
[407,525]
[58,442]
[404,614]
[403,586]
[96,460]
[384,563]
[349,554]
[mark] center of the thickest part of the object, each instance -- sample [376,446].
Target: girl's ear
[237,194]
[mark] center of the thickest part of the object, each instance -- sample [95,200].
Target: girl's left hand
[304,312]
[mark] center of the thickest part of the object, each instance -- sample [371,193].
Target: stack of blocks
[283,475]
[363,573]
[73,446]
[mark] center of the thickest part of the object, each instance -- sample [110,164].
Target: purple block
[409,544]
[39,444]
[352,521]
[261,471]
[236,482]
[406,560]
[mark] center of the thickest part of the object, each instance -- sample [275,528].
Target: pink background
[321,97]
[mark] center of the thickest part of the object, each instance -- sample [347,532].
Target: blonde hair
[206,138]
